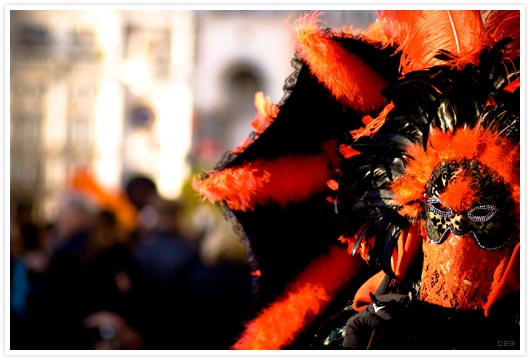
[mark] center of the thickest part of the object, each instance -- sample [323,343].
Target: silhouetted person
[166,258]
[83,303]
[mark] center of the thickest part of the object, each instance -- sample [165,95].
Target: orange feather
[505,23]
[372,125]
[422,34]
[266,112]
[460,194]
[282,181]
[305,298]
[487,147]
[351,81]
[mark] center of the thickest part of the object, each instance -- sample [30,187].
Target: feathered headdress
[403,135]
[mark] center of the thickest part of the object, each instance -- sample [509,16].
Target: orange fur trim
[411,211]
[305,298]
[351,81]
[482,145]
[282,181]
[422,33]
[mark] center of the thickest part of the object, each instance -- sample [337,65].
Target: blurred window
[25,129]
[141,116]
[82,38]
[83,47]
[25,173]
[242,82]
[34,35]
[79,132]
[152,44]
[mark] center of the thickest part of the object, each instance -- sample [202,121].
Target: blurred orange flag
[84,182]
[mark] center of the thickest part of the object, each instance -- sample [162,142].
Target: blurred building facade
[109,91]
[125,92]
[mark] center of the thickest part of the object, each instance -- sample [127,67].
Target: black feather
[440,97]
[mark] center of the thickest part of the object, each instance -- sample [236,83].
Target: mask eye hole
[482,213]
[435,205]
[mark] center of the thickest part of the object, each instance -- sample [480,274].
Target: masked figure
[379,199]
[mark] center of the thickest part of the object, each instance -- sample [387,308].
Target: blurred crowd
[86,281]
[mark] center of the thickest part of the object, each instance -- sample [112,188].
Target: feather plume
[305,298]
[460,194]
[351,81]
[422,35]
[504,23]
[282,181]
[266,112]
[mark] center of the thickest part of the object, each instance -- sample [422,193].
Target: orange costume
[380,199]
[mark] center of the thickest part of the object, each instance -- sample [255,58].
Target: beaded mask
[485,213]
